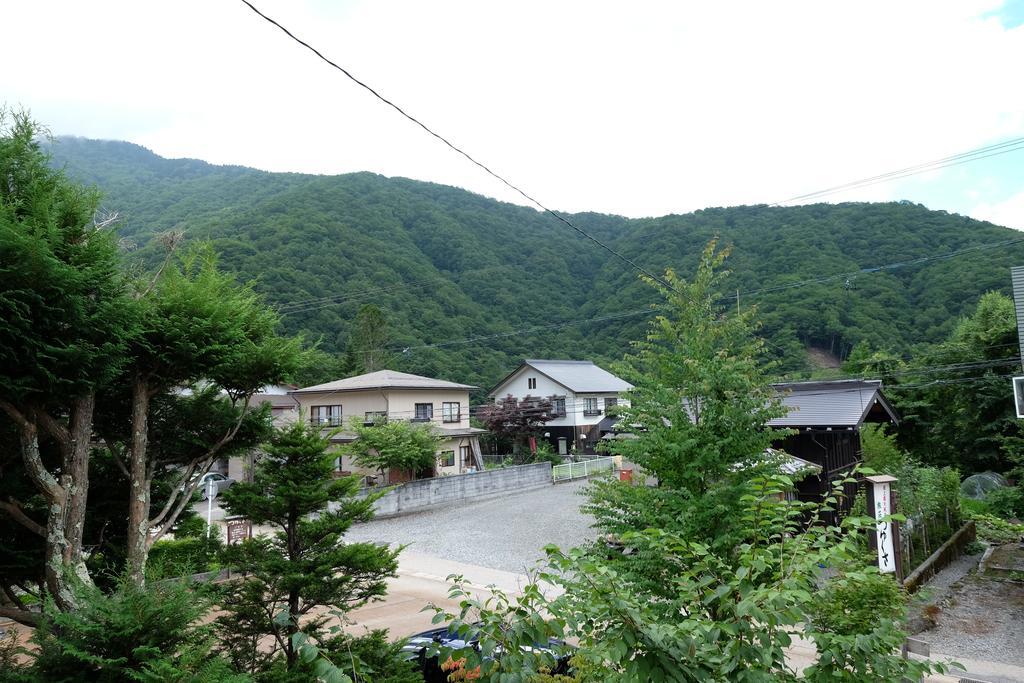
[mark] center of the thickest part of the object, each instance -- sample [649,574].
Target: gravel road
[981,617]
[506,533]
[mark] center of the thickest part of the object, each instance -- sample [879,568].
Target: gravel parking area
[506,533]
[981,619]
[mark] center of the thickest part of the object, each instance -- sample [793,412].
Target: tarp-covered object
[977,486]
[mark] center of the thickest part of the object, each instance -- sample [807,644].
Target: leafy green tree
[67,318]
[367,348]
[701,403]
[196,325]
[964,415]
[305,564]
[393,444]
[725,614]
[135,633]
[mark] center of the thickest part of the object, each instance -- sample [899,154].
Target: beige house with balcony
[391,395]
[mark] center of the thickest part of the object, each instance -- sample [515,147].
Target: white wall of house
[521,386]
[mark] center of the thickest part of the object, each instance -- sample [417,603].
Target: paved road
[506,533]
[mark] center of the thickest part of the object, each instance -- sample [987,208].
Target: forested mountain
[446,265]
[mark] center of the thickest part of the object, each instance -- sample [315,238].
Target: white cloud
[1009,212]
[633,108]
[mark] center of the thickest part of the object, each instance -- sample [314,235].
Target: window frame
[448,418]
[558,406]
[443,457]
[429,412]
[589,401]
[318,418]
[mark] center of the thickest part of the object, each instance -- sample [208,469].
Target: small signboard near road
[238,530]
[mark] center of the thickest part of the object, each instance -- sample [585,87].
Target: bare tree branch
[183,494]
[57,431]
[170,241]
[13,508]
[118,460]
[28,434]
[22,616]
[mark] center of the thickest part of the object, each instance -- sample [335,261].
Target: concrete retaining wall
[947,552]
[424,494]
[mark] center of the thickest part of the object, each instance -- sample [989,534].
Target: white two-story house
[391,395]
[581,392]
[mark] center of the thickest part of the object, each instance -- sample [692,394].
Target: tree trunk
[77,460]
[56,516]
[139,483]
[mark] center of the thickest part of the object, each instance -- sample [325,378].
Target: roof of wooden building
[834,403]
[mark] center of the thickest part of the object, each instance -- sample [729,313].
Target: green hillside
[446,264]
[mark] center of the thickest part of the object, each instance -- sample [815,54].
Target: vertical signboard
[883,527]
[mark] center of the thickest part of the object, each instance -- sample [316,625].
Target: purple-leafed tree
[517,419]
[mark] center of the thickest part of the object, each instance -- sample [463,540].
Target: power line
[1004,147]
[555,214]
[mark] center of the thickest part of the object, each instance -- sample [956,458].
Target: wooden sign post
[881,499]
[239,529]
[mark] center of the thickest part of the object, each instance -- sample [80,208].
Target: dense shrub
[997,531]
[146,634]
[178,557]
[850,606]
[1006,502]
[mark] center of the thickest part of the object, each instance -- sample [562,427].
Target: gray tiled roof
[385,379]
[580,376]
[838,403]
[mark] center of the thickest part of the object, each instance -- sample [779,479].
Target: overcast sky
[634,108]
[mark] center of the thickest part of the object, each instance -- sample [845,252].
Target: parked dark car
[418,649]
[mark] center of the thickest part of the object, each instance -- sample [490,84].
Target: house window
[424,412]
[328,416]
[558,406]
[465,457]
[591,407]
[375,417]
[447,459]
[531,383]
[610,403]
[450,412]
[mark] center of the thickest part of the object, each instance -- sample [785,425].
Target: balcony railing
[592,413]
[325,421]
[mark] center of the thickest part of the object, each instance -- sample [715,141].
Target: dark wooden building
[827,417]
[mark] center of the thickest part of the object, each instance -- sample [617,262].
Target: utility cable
[1013,145]
[555,214]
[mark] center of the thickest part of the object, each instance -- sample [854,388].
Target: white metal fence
[575,470]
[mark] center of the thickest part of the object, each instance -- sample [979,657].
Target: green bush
[974,548]
[179,557]
[853,606]
[369,658]
[148,634]
[192,526]
[992,529]
[1006,502]
[545,453]
[972,506]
